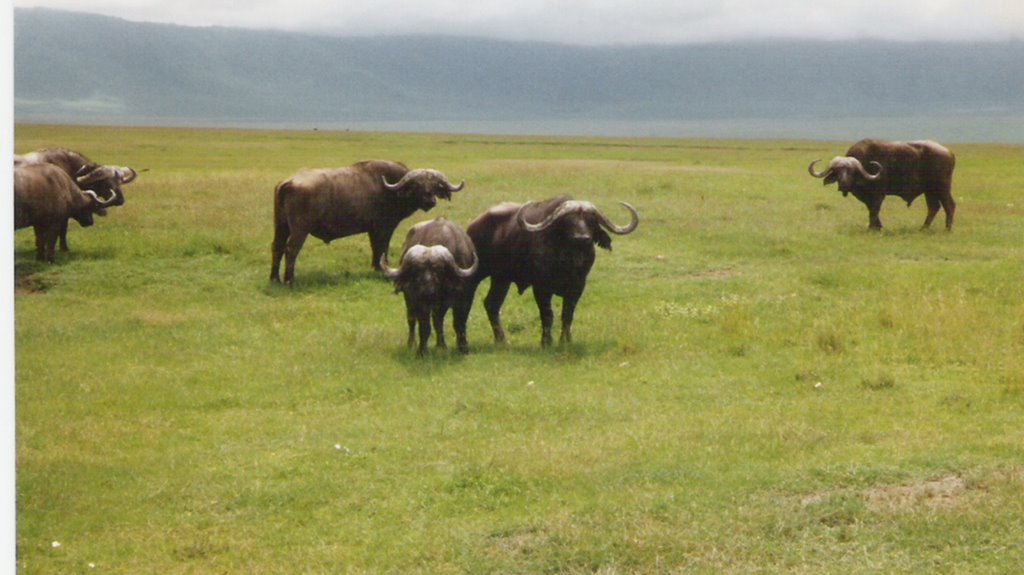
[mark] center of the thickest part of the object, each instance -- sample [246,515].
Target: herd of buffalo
[547,245]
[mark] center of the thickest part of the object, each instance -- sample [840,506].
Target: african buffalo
[105,181]
[548,245]
[437,266]
[367,197]
[44,198]
[904,169]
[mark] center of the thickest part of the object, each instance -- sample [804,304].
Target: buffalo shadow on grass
[29,272]
[438,360]
[319,281]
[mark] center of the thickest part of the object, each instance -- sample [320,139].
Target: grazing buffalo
[435,274]
[105,181]
[44,198]
[366,197]
[548,245]
[873,169]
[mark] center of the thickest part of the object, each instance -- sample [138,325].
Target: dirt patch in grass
[942,493]
[30,284]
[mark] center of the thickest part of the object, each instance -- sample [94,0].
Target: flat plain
[758,383]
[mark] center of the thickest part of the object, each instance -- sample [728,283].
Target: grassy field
[757,384]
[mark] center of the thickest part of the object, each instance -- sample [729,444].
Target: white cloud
[592,21]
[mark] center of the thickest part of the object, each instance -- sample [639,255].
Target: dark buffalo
[435,274]
[873,169]
[548,245]
[366,197]
[105,181]
[44,198]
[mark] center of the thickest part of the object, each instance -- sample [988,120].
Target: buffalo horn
[810,169]
[452,188]
[633,222]
[464,273]
[95,174]
[566,207]
[99,201]
[389,272]
[126,174]
[868,175]
[397,185]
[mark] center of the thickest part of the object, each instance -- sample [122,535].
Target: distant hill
[87,68]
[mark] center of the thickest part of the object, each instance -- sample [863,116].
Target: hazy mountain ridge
[97,68]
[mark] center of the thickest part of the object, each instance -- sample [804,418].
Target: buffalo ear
[602,239]
[831,178]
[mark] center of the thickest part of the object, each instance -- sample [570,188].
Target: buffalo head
[425,186]
[91,204]
[580,223]
[845,170]
[424,271]
[105,182]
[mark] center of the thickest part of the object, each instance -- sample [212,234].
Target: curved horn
[810,169]
[566,207]
[126,174]
[399,184]
[608,225]
[389,272]
[95,174]
[101,202]
[452,188]
[464,273]
[868,175]
[540,226]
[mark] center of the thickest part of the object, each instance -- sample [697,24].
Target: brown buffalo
[105,181]
[44,198]
[367,197]
[548,245]
[438,263]
[873,169]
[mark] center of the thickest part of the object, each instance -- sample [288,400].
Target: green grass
[177,413]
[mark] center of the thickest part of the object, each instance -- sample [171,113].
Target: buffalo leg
[439,312]
[64,236]
[46,240]
[933,208]
[411,318]
[568,310]
[277,248]
[948,206]
[492,303]
[424,321]
[379,240]
[291,253]
[461,318]
[874,208]
[547,317]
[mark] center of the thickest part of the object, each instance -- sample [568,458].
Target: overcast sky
[591,21]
